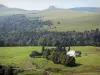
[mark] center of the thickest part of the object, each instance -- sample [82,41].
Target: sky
[44,4]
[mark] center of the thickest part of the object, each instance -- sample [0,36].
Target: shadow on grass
[75,65]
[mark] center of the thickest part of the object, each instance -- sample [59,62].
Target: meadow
[88,64]
[69,20]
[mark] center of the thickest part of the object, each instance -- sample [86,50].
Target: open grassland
[16,55]
[88,64]
[69,20]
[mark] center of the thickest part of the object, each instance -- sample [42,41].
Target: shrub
[2,70]
[8,70]
[70,61]
[34,53]
[46,53]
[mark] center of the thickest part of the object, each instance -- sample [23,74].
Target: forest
[20,30]
[46,38]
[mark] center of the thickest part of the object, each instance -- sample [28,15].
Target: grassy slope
[15,55]
[70,20]
[92,59]
[11,12]
[18,56]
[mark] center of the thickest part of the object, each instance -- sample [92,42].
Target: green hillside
[70,20]
[11,12]
[4,10]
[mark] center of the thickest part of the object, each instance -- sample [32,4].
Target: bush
[8,70]
[46,53]
[34,53]
[70,61]
[2,70]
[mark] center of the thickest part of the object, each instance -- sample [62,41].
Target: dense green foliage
[73,38]
[34,53]
[16,30]
[9,70]
[6,70]
[58,56]
[19,30]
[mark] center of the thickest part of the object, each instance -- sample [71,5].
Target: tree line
[71,38]
[46,38]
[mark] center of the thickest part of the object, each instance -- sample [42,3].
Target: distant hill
[91,9]
[4,10]
[70,19]
[62,19]
[52,7]
[2,6]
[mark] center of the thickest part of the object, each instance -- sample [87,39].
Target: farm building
[74,53]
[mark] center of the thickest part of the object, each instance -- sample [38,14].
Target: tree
[59,22]
[97,30]
[56,57]
[2,43]
[46,53]
[64,49]
[70,61]
[43,48]
[52,55]
[62,58]
[69,48]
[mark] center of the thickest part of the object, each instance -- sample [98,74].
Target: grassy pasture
[69,20]
[18,56]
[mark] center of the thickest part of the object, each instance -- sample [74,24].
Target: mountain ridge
[91,9]
[4,8]
[52,7]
